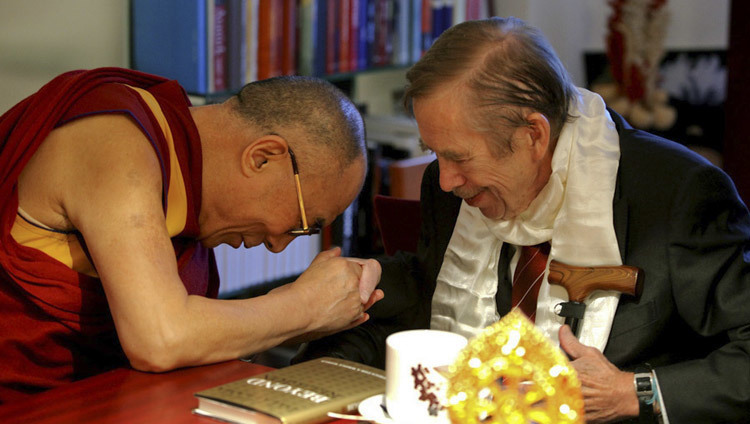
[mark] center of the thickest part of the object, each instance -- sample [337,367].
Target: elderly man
[113,191]
[527,163]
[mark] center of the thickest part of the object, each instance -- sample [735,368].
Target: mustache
[466,193]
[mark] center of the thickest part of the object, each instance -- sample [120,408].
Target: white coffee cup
[415,384]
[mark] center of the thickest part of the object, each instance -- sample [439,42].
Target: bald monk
[114,189]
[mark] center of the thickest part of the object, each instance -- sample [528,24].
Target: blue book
[415,39]
[402,20]
[362,49]
[169,39]
[370,38]
[437,18]
[319,64]
[447,14]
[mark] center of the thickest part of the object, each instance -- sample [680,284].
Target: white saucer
[371,410]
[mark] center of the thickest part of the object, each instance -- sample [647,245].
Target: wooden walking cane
[580,281]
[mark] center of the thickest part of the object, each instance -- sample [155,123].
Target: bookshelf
[214,47]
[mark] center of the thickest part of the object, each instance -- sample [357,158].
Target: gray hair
[315,106]
[507,66]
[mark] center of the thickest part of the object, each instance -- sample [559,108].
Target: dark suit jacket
[677,218]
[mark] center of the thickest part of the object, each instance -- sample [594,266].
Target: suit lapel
[620,218]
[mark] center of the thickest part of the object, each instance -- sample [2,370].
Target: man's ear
[263,151]
[538,133]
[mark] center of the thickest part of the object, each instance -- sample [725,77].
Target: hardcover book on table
[303,393]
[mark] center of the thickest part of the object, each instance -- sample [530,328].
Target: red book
[344,22]
[353,34]
[473,10]
[289,38]
[382,47]
[332,36]
[269,38]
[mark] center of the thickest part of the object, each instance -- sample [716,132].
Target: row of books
[214,46]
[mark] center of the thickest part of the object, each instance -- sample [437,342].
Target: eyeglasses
[305,230]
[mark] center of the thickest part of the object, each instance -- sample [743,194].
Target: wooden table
[128,396]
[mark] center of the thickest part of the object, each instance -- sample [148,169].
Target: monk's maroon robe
[55,324]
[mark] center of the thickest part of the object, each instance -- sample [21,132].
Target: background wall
[40,39]
[576,26]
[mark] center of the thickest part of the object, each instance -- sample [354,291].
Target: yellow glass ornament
[511,373]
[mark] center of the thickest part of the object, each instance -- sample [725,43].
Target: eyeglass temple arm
[301,202]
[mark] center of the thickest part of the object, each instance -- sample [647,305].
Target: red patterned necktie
[528,278]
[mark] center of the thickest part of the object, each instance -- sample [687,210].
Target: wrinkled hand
[330,292]
[368,281]
[608,393]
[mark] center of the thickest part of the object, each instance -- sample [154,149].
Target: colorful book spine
[169,39]
[236,49]
[321,45]
[448,6]
[344,31]
[382,48]
[363,37]
[269,38]
[220,46]
[415,30]
[264,39]
[354,35]
[474,9]
[332,37]
[400,40]
[214,46]
[289,37]
[277,36]
[459,11]
[308,27]
[251,41]
[370,25]
[437,18]
[210,23]
[426,24]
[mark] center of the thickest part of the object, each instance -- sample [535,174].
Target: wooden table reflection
[129,396]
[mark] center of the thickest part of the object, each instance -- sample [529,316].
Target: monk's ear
[538,133]
[263,152]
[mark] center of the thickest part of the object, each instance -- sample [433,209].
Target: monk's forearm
[209,330]
[193,330]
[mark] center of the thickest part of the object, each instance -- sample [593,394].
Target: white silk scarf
[574,211]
